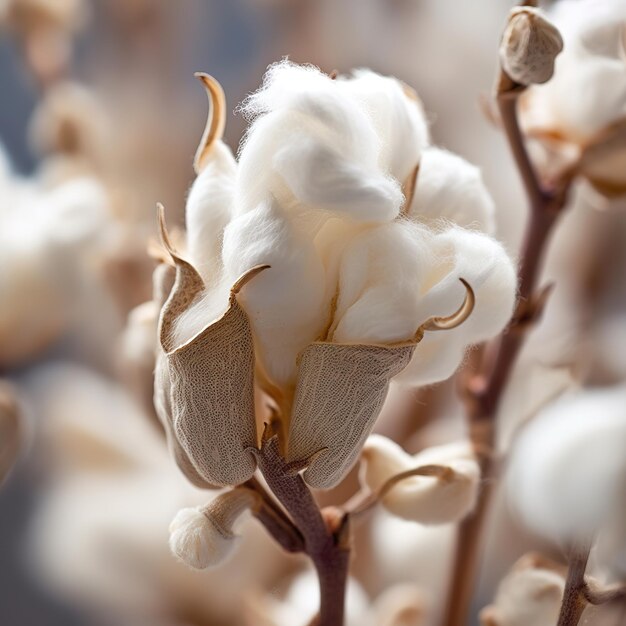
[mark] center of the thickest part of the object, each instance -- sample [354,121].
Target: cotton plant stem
[485,389]
[574,600]
[326,544]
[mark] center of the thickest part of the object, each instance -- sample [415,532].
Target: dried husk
[204,389]
[529,46]
[339,394]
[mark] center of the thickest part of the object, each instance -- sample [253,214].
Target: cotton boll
[208,211]
[408,552]
[592,56]
[458,253]
[530,594]
[570,464]
[398,118]
[450,188]
[286,303]
[424,499]
[380,278]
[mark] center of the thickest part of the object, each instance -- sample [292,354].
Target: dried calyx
[529,46]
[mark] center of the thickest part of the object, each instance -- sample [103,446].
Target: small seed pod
[203,537]
[529,46]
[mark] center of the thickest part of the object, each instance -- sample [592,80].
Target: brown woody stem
[574,600]
[327,544]
[485,388]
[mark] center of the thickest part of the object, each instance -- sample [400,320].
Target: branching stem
[326,539]
[485,388]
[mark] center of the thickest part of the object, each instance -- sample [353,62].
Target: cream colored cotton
[450,188]
[531,593]
[587,94]
[439,499]
[203,536]
[458,253]
[570,464]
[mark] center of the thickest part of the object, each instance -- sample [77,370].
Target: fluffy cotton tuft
[423,499]
[313,146]
[457,253]
[569,465]
[450,188]
[286,303]
[380,278]
[197,541]
[398,118]
[208,211]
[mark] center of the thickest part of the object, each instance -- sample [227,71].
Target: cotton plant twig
[484,388]
[325,533]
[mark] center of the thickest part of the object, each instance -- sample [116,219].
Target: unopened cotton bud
[529,47]
[530,594]
[203,536]
[441,496]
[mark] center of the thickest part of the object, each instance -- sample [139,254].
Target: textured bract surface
[340,393]
[205,388]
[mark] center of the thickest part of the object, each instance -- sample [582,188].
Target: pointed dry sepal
[203,537]
[204,388]
[10,430]
[339,394]
[437,486]
[216,120]
[529,46]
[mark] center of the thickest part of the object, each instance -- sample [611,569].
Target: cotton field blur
[488,486]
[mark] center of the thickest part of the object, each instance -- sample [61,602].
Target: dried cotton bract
[445,489]
[529,46]
[357,274]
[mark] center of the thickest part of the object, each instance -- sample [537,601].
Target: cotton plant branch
[484,388]
[326,536]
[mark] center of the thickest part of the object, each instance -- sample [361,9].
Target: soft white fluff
[286,303]
[381,273]
[570,464]
[450,188]
[197,541]
[458,253]
[527,595]
[208,211]
[424,499]
[398,118]
[588,89]
[313,146]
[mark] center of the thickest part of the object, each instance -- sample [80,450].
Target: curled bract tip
[164,235]
[457,318]
[216,120]
[245,278]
